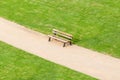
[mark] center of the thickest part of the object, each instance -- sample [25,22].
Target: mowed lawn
[16,64]
[95,24]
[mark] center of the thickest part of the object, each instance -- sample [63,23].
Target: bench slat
[57,32]
[59,39]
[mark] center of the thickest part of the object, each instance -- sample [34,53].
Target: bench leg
[49,39]
[70,43]
[64,44]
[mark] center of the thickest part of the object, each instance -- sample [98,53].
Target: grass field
[95,24]
[16,64]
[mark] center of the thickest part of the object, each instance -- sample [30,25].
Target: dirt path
[87,61]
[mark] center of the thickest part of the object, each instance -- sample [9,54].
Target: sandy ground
[77,58]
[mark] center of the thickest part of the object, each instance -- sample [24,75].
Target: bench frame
[61,36]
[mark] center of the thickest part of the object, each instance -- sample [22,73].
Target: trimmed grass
[95,24]
[16,64]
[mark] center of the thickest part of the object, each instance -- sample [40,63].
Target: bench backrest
[62,34]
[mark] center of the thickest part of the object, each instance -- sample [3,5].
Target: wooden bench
[63,37]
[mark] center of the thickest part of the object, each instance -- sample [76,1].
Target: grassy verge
[16,64]
[95,24]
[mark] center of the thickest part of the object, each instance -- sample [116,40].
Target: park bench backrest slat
[62,34]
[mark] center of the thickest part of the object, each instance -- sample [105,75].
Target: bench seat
[59,38]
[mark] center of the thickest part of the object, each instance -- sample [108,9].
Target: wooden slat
[59,39]
[62,32]
[57,32]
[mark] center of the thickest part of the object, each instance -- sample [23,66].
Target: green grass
[16,64]
[95,24]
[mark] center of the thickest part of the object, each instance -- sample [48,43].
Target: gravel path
[78,58]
